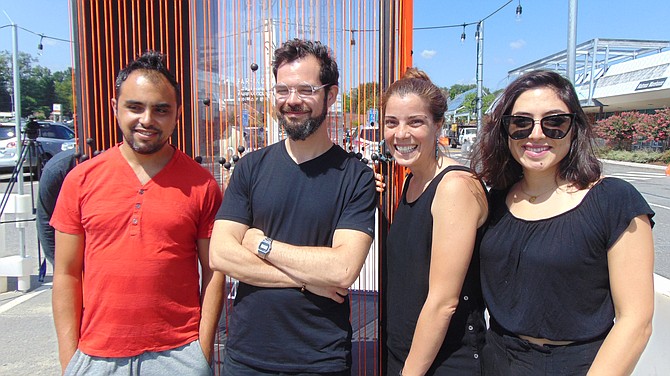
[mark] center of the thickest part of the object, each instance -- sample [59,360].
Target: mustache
[293,108]
[145,128]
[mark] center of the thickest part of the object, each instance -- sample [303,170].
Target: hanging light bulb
[519,10]
[463,35]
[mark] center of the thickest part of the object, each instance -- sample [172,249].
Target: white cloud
[428,54]
[518,44]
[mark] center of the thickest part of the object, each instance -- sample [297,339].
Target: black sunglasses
[553,126]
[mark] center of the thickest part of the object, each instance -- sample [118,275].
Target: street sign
[245,118]
[372,115]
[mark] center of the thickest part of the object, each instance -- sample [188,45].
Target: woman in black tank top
[433,319]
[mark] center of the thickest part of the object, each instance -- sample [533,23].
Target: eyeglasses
[553,126]
[282,91]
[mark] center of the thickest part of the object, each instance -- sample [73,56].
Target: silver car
[53,138]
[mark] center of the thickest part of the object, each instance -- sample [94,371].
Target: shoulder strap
[462,168]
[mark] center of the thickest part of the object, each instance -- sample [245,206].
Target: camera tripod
[33,153]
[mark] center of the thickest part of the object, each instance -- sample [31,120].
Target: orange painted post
[667,170]
[406,34]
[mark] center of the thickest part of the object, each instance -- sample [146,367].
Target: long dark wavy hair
[492,159]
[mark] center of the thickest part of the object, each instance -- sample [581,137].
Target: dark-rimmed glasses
[553,126]
[305,90]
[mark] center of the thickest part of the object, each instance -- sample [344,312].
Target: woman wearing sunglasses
[567,258]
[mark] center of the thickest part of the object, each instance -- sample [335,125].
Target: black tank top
[405,289]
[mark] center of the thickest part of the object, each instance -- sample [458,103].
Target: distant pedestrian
[567,259]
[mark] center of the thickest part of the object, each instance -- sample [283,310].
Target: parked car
[53,138]
[368,141]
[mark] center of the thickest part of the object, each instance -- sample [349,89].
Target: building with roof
[456,109]
[615,75]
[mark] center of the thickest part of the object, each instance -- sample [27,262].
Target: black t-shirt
[283,329]
[408,255]
[549,278]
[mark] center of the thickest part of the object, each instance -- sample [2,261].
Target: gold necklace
[533,198]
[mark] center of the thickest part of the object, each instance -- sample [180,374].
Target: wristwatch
[264,248]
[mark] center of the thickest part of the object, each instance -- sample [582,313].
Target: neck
[537,181]
[539,186]
[426,172]
[149,162]
[310,148]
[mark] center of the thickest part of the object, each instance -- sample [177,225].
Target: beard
[299,131]
[145,148]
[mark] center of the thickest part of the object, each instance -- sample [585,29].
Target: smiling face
[146,110]
[409,131]
[302,116]
[537,152]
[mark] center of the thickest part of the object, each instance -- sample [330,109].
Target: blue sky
[48,17]
[508,43]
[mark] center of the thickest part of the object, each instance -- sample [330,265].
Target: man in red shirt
[131,226]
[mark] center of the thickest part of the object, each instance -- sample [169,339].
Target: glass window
[6,133]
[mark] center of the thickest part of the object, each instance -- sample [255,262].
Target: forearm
[622,348]
[319,266]
[67,309]
[212,294]
[430,332]
[336,266]
[235,261]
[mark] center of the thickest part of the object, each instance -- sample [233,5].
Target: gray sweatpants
[184,360]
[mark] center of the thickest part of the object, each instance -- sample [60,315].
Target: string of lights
[519,11]
[42,36]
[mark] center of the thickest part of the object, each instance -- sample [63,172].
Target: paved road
[655,187]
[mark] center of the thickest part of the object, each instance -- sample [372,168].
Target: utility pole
[480,73]
[572,40]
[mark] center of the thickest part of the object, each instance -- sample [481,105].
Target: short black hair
[298,48]
[150,61]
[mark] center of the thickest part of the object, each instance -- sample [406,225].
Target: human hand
[337,294]
[379,183]
[252,238]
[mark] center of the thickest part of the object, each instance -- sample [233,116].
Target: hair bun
[415,73]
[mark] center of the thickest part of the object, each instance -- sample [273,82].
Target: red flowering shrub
[621,131]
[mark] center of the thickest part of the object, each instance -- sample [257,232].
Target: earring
[437,149]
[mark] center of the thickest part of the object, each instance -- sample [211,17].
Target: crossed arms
[324,271]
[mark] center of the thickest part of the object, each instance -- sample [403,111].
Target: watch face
[264,247]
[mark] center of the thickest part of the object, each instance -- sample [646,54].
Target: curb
[661,285]
[633,164]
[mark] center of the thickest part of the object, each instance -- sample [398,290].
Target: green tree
[40,89]
[362,98]
[6,81]
[470,102]
[63,91]
[456,89]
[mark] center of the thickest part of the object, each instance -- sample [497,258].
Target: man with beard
[295,227]
[131,226]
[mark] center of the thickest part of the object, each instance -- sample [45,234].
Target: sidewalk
[29,339]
